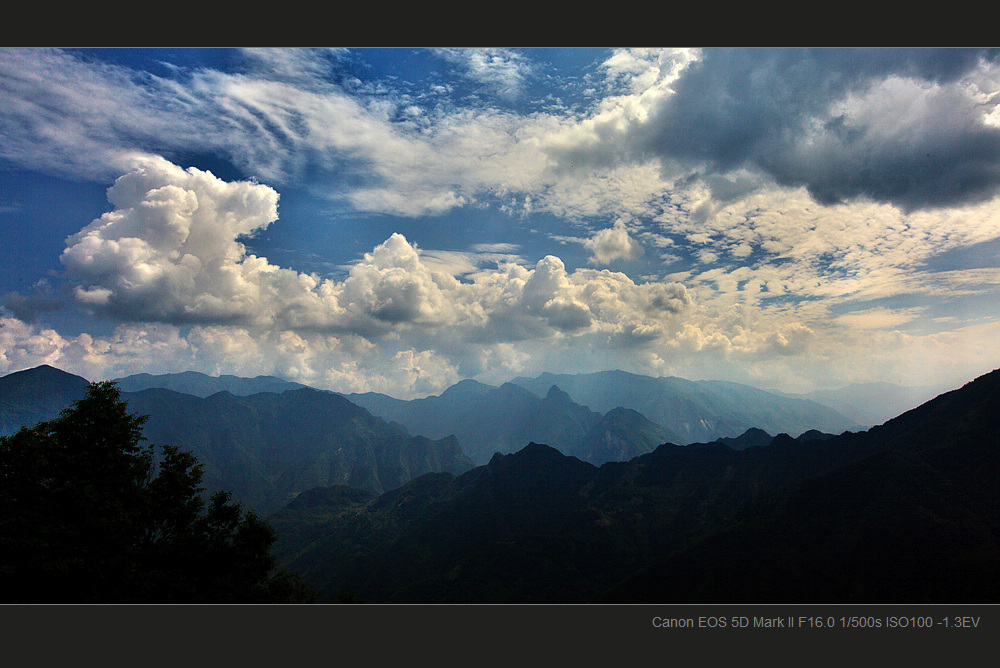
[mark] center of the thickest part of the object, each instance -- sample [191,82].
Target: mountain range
[858,404]
[367,507]
[906,512]
[203,385]
[598,417]
[265,447]
[608,416]
[488,419]
[566,412]
[697,411]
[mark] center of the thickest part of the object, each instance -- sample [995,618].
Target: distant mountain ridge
[697,411]
[264,448]
[203,385]
[903,512]
[487,420]
[916,521]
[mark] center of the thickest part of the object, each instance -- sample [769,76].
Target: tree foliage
[90,514]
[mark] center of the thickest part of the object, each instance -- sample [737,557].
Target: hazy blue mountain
[904,512]
[36,395]
[870,404]
[621,435]
[203,385]
[487,420]
[268,447]
[264,448]
[697,411]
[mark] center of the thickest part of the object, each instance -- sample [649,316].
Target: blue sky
[399,219]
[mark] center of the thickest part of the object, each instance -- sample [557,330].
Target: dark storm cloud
[782,111]
[27,307]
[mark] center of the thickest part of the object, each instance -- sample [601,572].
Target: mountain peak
[532,453]
[555,394]
[36,395]
[512,390]
[43,371]
[752,437]
[467,388]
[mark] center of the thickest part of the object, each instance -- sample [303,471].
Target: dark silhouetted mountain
[757,438]
[697,411]
[917,521]
[814,434]
[905,512]
[487,420]
[203,385]
[750,438]
[36,395]
[469,531]
[534,526]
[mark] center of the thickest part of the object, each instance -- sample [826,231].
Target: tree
[89,514]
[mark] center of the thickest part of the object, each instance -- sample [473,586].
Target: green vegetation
[89,514]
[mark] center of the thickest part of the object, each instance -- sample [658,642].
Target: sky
[399,219]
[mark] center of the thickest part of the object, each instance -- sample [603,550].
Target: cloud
[907,127]
[130,347]
[910,127]
[170,251]
[878,318]
[282,117]
[787,246]
[798,184]
[28,307]
[503,72]
[612,244]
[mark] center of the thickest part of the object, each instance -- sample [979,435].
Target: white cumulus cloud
[612,244]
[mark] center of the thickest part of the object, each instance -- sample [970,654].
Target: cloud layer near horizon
[169,256]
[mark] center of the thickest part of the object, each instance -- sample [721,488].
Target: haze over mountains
[598,417]
[871,403]
[673,400]
[565,410]
[569,412]
[696,410]
[503,419]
